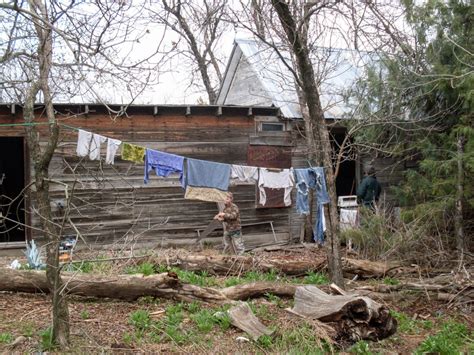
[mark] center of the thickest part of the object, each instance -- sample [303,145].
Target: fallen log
[132,287]
[236,265]
[353,317]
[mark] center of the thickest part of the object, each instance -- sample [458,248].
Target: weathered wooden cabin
[256,75]
[110,204]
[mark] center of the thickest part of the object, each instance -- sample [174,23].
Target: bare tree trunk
[458,217]
[307,81]
[41,161]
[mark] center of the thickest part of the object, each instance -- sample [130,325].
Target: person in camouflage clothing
[232,229]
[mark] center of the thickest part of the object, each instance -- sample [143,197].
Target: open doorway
[346,179]
[12,178]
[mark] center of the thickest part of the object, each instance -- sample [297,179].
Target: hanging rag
[208,194]
[312,178]
[112,147]
[244,173]
[94,149]
[163,163]
[132,152]
[83,143]
[201,173]
[283,179]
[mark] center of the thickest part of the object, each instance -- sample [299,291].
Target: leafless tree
[200,25]
[64,51]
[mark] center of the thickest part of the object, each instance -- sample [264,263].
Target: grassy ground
[155,325]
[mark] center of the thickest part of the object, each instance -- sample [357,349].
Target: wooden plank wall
[112,204]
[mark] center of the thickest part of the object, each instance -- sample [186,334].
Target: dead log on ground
[235,265]
[353,317]
[131,287]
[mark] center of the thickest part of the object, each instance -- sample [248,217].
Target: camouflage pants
[233,243]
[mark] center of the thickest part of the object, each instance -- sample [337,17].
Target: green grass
[47,342]
[202,279]
[85,314]
[140,319]
[6,338]
[449,340]
[146,269]
[362,347]
[315,278]
[410,326]
[300,340]
[204,320]
[390,281]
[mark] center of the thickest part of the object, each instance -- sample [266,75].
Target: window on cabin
[272,127]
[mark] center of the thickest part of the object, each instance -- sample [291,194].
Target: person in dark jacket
[369,190]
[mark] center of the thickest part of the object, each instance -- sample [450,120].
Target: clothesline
[209,181]
[206,180]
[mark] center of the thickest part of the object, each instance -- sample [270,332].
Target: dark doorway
[12,177]
[346,179]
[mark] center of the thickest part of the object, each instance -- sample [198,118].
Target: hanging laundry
[208,194]
[132,152]
[112,147]
[83,143]
[163,163]
[94,149]
[312,178]
[201,173]
[244,173]
[283,179]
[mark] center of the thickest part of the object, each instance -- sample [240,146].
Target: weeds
[85,315]
[46,337]
[140,319]
[146,269]
[408,325]
[6,338]
[204,320]
[315,278]
[447,341]
[360,348]
[390,281]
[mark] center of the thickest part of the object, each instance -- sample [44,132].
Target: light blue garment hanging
[312,178]
[163,163]
[201,173]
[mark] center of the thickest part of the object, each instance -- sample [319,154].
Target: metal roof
[336,71]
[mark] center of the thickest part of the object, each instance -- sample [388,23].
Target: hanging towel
[112,147]
[208,194]
[83,143]
[94,149]
[201,173]
[163,163]
[133,152]
[244,173]
[283,179]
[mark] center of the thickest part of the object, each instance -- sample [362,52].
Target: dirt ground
[105,325]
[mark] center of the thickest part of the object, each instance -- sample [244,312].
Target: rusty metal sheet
[269,156]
